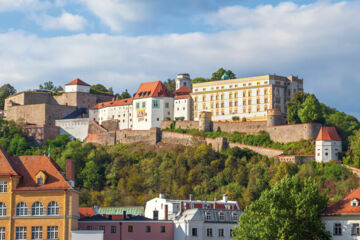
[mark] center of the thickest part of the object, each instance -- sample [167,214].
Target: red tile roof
[122,102]
[5,167]
[328,134]
[152,89]
[86,212]
[182,97]
[77,82]
[343,207]
[183,90]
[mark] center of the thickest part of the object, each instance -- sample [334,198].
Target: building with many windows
[36,201]
[247,98]
[342,219]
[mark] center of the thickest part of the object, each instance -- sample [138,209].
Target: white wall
[77,128]
[346,224]
[182,108]
[87,234]
[77,88]
[327,150]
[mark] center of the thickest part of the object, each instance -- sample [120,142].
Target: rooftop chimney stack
[181,207]
[225,198]
[70,172]
[162,196]
[166,212]
[214,206]
[190,197]
[124,215]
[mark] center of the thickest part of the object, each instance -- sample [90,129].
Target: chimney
[190,197]
[225,198]
[214,205]
[181,207]
[162,196]
[166,212]
[124,215]
[70,172]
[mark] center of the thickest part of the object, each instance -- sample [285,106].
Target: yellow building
[36,201]
[246,98]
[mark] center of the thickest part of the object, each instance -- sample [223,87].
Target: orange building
[36,201]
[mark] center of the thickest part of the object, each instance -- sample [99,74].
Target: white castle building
[77,86]
[328,145]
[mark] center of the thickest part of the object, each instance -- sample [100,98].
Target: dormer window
[40,181]
[355,202]
[40,178]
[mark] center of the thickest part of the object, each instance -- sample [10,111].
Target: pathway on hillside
[354,170]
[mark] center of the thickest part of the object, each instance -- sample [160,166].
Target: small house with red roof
[152,103]
[328,145]
[342,219]
[77,86]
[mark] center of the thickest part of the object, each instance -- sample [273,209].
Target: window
[209,232]
[53,208]
[265,100]
[167,105]
[355,229]
[102,228]
[143,105]
[2,209]
[113,229]
[208,215]
[194,232]
[52,232]
[221,216]
[130,228]
[20,233]
[235,216]
[162,229]
[155,215]
[89,228]
[21,209]
[3,186]
[137,105]
[147,229]
[221,232]
[37,209]
[2,233]
[337,229]
[156,104]
[36,232]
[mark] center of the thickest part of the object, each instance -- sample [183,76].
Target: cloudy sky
[121,43]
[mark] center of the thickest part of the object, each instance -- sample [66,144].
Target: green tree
[5,91]
[170,85]
[293,107]
[220,72]
[355,149]
[91,177]
[200,80]
[100,89]
[125,94]
[49,85]
[310,110]
[289,211]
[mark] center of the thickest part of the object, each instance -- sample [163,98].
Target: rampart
[99,135]
[269,152]
[40,134]
[128,136]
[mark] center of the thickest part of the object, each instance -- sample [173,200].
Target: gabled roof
[343,207]
[77,82]
[183,90]
[86,212]
[5,166]
[122,102]
[152,89]
[28,167]
[328,134]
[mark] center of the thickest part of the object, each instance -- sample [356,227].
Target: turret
[183,79]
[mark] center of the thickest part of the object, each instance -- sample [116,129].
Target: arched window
[21,209]
[37,209]
[2,209]
[53,208]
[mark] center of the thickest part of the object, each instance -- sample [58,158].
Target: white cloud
[66,21]
[116,13]
[318,42]
[23,5]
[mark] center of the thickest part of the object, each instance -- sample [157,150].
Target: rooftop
[77,81]
[122,102]
[152,89]
[344,207]
[328,134]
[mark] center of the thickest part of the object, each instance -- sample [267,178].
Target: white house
[161,208]
[121,110]
[342,219]
[183,104]
[77,86]
[204,224]
[328,145]
[152,103]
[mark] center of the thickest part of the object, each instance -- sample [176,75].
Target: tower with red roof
[77,86]
[328,145]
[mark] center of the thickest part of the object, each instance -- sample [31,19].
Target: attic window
[354,202]
[40,181]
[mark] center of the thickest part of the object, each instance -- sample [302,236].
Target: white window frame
[52,232]
[337,228]
[3,186]
[2,233]
[20,233]
[221,216]
[21,209]
[36,232]
[37,209]
[2,209]
[53,209]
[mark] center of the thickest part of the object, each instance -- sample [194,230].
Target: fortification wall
[40,134]
[293,133]
[241,127]
[99,135]
[128,136]
[269,152]
[181,124]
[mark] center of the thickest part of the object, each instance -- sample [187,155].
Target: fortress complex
[247,98]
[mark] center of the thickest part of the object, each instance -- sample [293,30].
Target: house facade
[342,219]
[328,145]
[36,201]
[247,98]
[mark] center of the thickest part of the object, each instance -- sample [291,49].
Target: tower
[328,145]
[183,79]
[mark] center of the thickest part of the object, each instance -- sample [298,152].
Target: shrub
[235,118]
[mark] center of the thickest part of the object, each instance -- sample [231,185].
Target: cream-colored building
[246,98]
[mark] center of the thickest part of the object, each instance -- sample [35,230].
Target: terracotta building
[36,200]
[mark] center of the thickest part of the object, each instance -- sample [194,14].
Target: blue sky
[121,43]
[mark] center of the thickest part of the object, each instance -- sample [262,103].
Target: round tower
[274,117]
[183,79]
